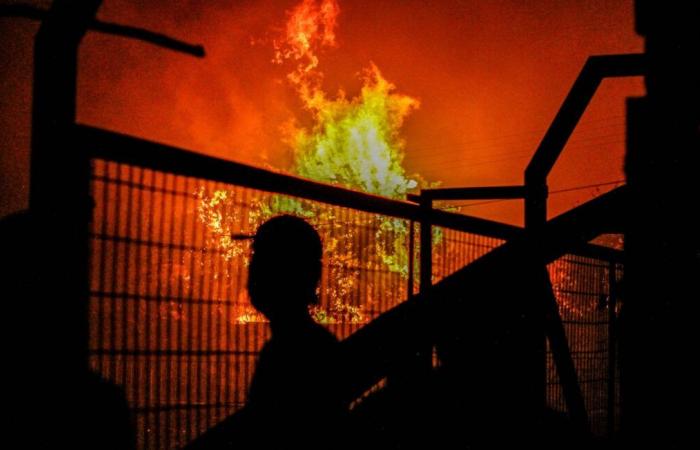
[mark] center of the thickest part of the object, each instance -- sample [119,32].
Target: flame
[310,27]
[356,142]
[351,142]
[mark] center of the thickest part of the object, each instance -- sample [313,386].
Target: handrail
[118,147]
[98,143]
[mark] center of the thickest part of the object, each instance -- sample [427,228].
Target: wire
[558,191]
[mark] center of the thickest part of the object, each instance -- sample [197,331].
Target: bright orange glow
[490,77]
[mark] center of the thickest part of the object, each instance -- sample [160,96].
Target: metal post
[535,220]
[411,256]
[426,244]
[612,343]
[60,174]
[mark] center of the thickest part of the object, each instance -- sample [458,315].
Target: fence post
[411,256]
[612,342]
[535,220]
[59,190]
[426,244]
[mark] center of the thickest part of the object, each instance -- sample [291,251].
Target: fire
[351,142]
[338,312]
[310,25]
[356,142]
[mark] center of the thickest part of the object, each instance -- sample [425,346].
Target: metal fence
[585,291]
[170,320]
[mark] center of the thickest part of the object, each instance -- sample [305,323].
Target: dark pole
[535,220]
[60,178]
[612,344]
[411,256]
[425,355]
[426,244]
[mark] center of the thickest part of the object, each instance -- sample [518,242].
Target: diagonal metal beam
[594,71]
[141,34]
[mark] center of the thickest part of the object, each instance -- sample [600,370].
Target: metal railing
[169,315]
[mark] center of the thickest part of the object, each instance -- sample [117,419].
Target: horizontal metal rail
[118,147]
[101,144]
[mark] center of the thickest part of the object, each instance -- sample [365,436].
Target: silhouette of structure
[657,329]
[488,321]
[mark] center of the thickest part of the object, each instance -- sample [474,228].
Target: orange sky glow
[489,76]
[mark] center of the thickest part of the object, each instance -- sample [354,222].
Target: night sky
[490,76]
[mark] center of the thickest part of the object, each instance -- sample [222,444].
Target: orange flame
[311,26]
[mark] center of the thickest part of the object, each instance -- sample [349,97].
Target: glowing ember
[247,314]
[338,312]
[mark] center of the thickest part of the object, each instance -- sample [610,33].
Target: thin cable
[559,191]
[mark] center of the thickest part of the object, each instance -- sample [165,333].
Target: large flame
[356,142]
[353,142]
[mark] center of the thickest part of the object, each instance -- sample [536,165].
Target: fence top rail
[111,146]
[121,148]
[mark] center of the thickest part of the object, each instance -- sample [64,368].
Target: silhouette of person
[294,395]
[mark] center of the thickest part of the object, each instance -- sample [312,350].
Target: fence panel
[170,318]
[171,322]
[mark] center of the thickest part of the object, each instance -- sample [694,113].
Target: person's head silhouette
[285,268]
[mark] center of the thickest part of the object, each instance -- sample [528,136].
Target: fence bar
[612,347]
[112,146]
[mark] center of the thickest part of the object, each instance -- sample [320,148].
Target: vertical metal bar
[411,256]
[168,372]
[251,327]
[116,246]
[60,176]
[535,219]
[426,244]
[126,299]
[612,342]
[424,362]
[159,264]
[148,359]
[181,314]
[140,294]
[195,258]
[217,327]
[100,299]
[205,320]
